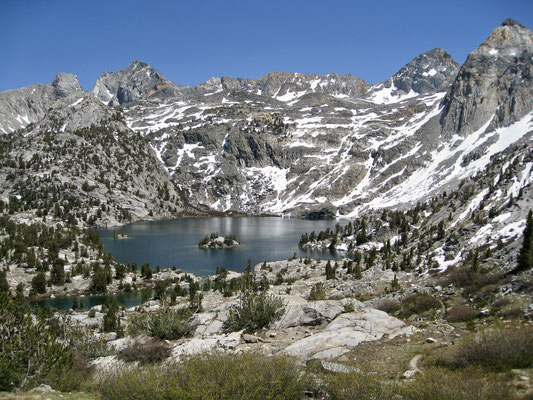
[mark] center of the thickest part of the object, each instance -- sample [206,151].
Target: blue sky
[189,42]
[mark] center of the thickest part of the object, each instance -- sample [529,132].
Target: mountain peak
[494,84]
[135,82]
[510,35]
[432,70]
[66,84]
[512,22]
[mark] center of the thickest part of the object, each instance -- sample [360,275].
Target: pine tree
[58,272]
[330,271]
[395,285]
[38,283]
[525,259]
[4,285]
[358,274]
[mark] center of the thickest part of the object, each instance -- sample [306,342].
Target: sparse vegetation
[318,292]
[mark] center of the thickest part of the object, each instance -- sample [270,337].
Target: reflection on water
[174,242]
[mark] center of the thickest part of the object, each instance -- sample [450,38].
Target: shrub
[501,302]
[418,304]
[438,384]
[388,305]
[211,376]
[497,349]
[31,349]
[511,312]
[254,311]
[462,313]
[164,324]
[148,352]
[318,292]
[37,348]
[354,385]
[471,280]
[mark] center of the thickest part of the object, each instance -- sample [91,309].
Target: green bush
[253,311]
[148,352]
[418,304]
[318,292]
[165,324]
[497,349]
[462,313]
[388,305]
[212,376]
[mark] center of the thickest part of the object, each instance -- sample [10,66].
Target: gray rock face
[20,107]
[494,85]
[135,82]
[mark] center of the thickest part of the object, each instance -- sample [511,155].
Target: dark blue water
[65,303]
[175,242]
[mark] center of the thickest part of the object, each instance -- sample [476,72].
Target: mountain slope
[317,153]
[82,159]
[309,145]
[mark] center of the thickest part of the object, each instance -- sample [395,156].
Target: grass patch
[214,376]
[472,384]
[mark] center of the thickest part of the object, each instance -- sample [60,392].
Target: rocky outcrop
[495,84]
[346,332]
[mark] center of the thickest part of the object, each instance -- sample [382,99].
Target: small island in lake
[213,241]
[120,236]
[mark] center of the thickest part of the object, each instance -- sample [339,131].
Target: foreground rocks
[307,330]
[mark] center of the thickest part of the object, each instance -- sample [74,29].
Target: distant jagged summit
[289,86]
[136,82]
[430,71]
[495,83]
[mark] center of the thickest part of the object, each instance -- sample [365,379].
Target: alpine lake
[174,243]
